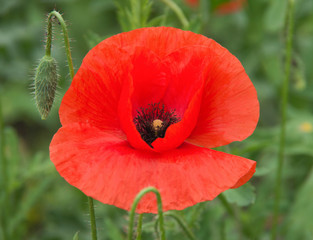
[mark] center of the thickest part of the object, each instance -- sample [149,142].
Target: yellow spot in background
[306,127]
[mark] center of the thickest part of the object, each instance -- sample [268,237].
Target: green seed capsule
[46,80]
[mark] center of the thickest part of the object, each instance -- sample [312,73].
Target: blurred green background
[43,206]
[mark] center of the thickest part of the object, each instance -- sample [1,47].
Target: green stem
[223,230]
[179,13]
[156,225]
[139,226]
[134,206]
[49,36]
[227,206]
[4,179]
[3,160]
[284,101]
[233,213]
[66,40]
[181,223]
[196,211]
[92,219]
[204,11]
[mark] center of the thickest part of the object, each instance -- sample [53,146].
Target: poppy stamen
[152,122]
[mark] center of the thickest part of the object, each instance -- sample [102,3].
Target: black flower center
[152,122]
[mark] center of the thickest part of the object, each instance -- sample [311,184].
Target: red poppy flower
[230,7]
[223,8]
[193,2]
[143,110]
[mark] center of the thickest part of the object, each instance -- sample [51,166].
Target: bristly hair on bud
[46,79]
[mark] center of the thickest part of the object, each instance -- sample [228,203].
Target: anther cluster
[152,121]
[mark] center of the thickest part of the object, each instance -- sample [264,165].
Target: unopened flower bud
[46,79]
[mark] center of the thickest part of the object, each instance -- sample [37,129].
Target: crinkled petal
[108,169]
[167,81]
[147,85]
[160,40]
[95,91]
[230,108]
[189,68]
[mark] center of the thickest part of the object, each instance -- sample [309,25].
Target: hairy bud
[46,80]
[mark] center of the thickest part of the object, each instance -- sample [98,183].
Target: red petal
[147,85]
[177,81]
[230,108]
[109,170]
[160,40]
[189,68]
[95,91]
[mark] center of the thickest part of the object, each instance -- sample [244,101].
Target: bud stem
[139,226]
[134,206]
[66,39]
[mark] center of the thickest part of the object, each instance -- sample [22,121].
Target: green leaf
[298,73]
[273,69]
[76,236]
[300,222]
[92,39]
[261,171]
[13,157]
[275,15]
[39,166]
[195,25]
[243,196]
[31,197]
[114,232]
[133,14]
[157,21]
[299,133]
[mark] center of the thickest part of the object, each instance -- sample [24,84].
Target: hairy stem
[4,179]
[66,39]
[134,206]
[139,226]
[92,219]
[284,101]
